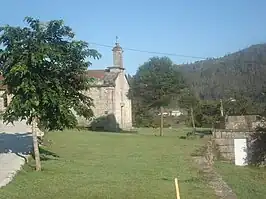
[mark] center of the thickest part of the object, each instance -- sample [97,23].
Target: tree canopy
[44,69]
[156,82]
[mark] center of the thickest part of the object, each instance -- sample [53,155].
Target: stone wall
[224,140]
[241,122]
[236,127]
[230,134]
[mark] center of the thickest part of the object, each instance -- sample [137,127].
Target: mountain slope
[242,71]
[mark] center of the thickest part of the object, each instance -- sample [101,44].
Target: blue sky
[201,28]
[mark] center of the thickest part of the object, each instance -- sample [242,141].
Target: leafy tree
[210,112]
[44,70]
[202,112]
[238,102]
[156,83]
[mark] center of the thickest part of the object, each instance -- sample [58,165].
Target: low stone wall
[242,122]
[230,134]
[224,140]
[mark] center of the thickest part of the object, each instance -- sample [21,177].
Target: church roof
[99,74]
[107,78]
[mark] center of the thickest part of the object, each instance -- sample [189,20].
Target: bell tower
[117,58]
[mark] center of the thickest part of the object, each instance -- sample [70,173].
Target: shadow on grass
[46,155]
[107,131]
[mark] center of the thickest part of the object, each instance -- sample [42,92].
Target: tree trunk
[36,145]
[192,118]
[161,123]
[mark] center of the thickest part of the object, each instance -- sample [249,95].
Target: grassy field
[111,165]
[246,182]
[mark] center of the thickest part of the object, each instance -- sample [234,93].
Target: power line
[150,52]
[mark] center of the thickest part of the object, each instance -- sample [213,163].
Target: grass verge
[246,182]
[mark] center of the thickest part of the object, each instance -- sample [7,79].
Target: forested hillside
[241,72]
[240,76]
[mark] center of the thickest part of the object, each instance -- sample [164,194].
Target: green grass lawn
[111,165]
[246,182]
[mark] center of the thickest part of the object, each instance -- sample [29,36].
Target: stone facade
[109,94]
[4,100]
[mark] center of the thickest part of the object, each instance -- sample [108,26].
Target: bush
[105,123]
[257,147]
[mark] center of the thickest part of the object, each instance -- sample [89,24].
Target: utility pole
[222,107]
[192,119]
[161,123]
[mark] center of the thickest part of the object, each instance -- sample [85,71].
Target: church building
[109,95]
[112,107]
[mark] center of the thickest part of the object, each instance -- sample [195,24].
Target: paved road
[15,145]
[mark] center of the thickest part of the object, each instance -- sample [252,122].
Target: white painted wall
[240,149]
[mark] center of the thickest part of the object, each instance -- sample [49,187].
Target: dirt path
[222,190]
